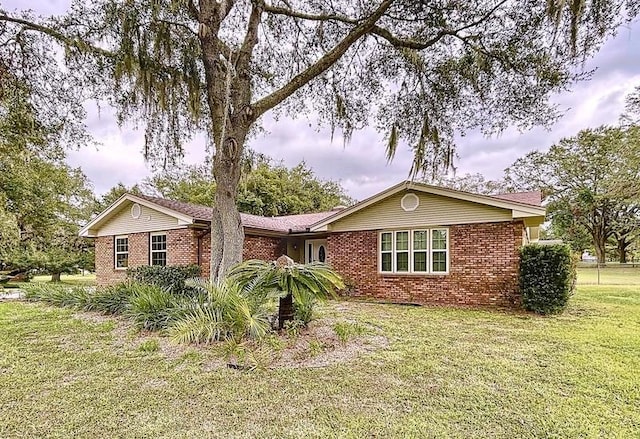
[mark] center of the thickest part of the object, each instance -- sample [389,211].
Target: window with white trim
[402,251]
[420,251]
[121,252]
[158,249]
[439,250]
[386,252]
[420,244]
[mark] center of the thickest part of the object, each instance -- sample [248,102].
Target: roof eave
[183,220]
[523,210]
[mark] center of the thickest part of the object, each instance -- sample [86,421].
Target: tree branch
[322,64]
[193,10]
[312,17]
[251,37]
[68,41]
[410,44]
[176,24]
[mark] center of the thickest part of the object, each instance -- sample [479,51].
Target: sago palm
[295,283]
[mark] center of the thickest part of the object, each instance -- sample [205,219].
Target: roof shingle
[298,223]
[533,198]
[286,223]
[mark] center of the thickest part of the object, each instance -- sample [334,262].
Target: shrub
[295,283]
[547,277]
[154,308]
[113,299]
[229,312]
[173,279]
[57,295]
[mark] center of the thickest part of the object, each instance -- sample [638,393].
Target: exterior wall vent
[136,210]
[410,202]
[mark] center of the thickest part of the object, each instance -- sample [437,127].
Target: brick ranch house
[412,243]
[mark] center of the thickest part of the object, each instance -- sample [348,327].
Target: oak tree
[590,184]
[419,70]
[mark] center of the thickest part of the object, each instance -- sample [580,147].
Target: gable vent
[136,210]
[410,202]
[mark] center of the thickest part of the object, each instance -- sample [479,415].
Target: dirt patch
[335,338]
[320,345]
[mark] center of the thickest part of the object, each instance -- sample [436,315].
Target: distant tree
[9,233]
[590,182]
[265,188]
[474,183]
[431,69]
[191,184]
[110,197]
[276,190]
[48,202]
[631,115]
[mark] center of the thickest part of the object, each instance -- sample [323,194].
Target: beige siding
[149,221]
[434,210]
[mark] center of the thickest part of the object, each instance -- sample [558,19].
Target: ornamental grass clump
[57,295]
[172,278]
[113,299]
[227,311]
[154,308]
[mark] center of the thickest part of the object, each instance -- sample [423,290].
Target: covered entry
[315,250]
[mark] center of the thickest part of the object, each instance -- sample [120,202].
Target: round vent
[410,202]
[136,210]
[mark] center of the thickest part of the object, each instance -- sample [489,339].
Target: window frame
[425,251]
[116,252]
[152,251]
[411,250]
[396,252]
[432,250]
[380,252]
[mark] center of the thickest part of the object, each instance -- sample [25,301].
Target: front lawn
[611,274]
[444,373]
[67,279]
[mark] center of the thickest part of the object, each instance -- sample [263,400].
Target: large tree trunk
[227,234]
[622,250]
[600,252]
[228,88]
[55,277]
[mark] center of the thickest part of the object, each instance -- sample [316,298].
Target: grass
[612,274]
[68,279]
[445,373]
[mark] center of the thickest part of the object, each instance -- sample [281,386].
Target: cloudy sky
[361,165]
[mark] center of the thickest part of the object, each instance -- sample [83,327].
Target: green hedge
[547,277]
[170,278]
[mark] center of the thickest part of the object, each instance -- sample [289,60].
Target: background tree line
[421,72]
[590,185]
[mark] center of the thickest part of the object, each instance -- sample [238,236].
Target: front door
[315,250]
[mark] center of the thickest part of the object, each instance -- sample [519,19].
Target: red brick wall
[266,248]
[182,249]
[205,253]
[255,247]
[483,267]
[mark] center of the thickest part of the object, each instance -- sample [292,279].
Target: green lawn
[612,274]
[69,279]
[445,373]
